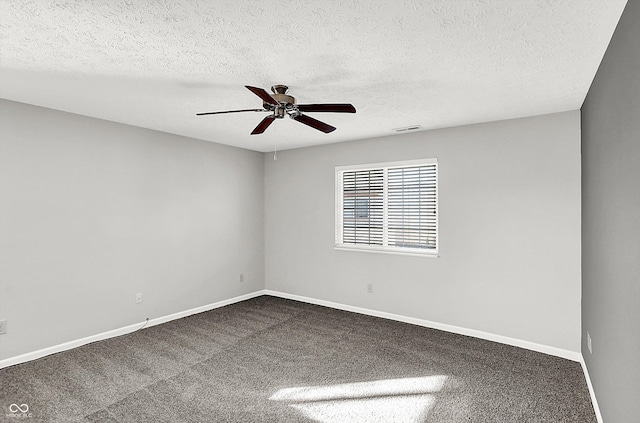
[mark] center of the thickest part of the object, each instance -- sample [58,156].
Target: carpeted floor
[275,360]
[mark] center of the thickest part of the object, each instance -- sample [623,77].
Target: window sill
[431,254]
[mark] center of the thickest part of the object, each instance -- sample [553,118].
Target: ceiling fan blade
[263,125]
[231,111]
[265,96]
[316,124]
[335,108]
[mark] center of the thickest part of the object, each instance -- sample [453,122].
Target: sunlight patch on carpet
[401,400]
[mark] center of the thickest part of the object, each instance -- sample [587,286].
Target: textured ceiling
[433,63]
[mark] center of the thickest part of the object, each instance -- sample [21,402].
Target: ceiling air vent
[408,128]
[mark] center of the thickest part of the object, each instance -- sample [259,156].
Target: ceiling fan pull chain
[275,144]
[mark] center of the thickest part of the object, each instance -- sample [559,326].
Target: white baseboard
[558,352]
[570,355]
[592,393]
[202,309]
[122,331]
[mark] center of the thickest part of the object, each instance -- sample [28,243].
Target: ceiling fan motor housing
[287,102]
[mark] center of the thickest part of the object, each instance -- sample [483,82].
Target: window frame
[384,249]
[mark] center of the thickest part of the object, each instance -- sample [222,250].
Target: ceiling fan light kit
[280,104]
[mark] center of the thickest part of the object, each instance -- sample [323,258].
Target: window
[388,207]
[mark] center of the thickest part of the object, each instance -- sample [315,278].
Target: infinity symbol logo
[14,408]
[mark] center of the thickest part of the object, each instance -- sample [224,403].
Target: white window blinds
[412,206]
[389,207]
[362,207]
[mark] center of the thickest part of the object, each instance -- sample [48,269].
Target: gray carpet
[274,360]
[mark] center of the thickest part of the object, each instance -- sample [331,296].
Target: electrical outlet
[3,327]
[241,278]
[138,298]
[370,288]
[589,343]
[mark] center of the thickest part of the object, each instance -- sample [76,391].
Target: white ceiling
[433,63]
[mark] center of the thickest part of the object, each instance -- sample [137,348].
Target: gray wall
[611,224]
[509,204]
[92,212]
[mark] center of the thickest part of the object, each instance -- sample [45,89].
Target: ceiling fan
[280,104]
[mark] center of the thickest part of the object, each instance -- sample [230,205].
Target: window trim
[377,248]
